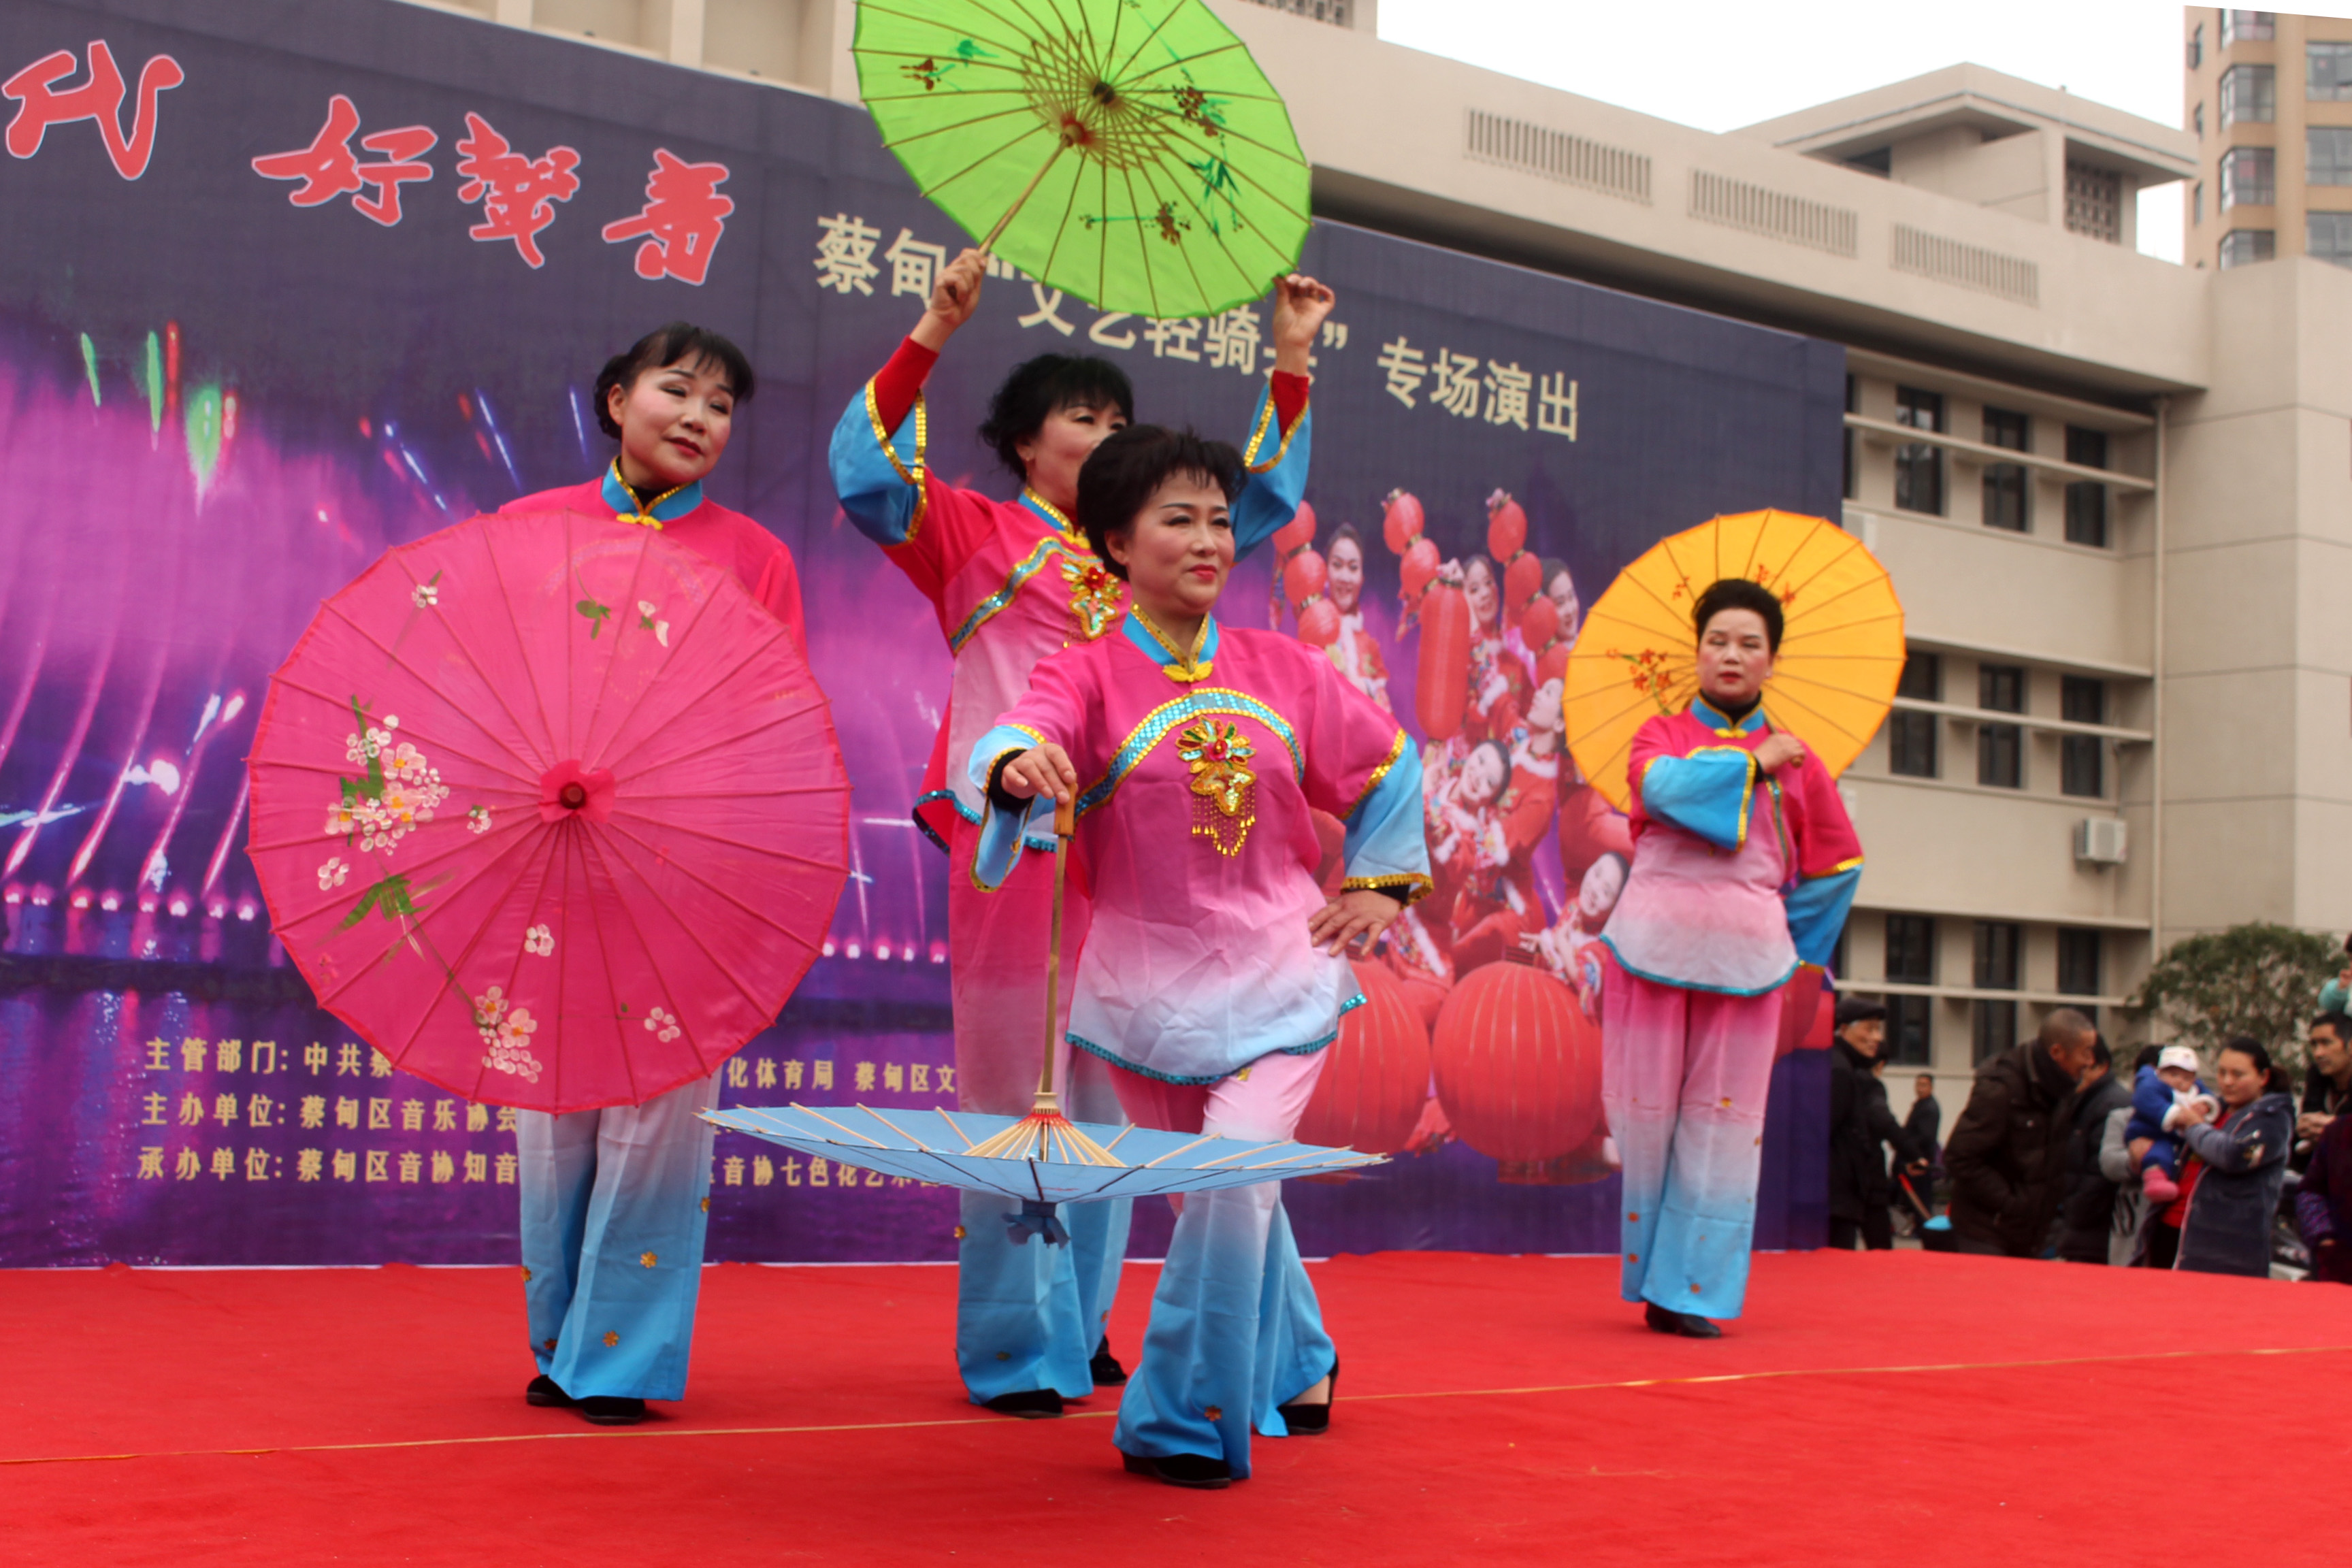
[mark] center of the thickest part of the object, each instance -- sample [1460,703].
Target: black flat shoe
[1312,1420]
[1104,1368]
[543,1392]
[1689,1325]
[1029,1405]
[1181,1470]
[607,1411]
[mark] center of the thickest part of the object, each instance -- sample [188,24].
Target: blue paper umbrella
[1041,1163]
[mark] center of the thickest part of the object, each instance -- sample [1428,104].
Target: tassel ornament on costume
[1224,790]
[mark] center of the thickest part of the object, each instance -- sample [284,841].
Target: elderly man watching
[2007,1155]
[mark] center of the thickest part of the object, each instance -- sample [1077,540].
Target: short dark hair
[1121,474]
[1738,594]
[679,342]
[2338,1021]
[1041,387]
[2147,1056]
[1346,531]
[2100,1052]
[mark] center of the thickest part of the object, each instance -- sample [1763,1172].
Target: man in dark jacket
[1860,1123]
[2087,1217]
[2007,1156]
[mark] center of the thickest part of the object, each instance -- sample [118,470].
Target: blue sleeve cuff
[1002,832]
[1817,910]
[1707,793]
[1386,847]
[879,475]
[1276,481]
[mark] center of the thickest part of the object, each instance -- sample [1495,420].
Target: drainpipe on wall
[2156,716]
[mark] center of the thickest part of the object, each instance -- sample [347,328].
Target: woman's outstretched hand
[1041,770]
[1300,304]
[954,297]
[1355,918]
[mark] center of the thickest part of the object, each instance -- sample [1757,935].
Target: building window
[2241,246]
[2000,944]
[2000,748]
[2094,202]
[1996,1029]
[2005,484]
[2249,178]
[2197,203]
[1910,1040]
[2248,27]
[2078,960]
[1919,468]
[1911,950]
[2249,95]
[2196,46]
[2327,155]
[2197,121]
[1852,396]
[2327,237]
[1911,737]
[2327,72]
[2083,700]
[2087,500]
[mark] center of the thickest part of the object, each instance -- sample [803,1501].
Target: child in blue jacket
[2160,1096]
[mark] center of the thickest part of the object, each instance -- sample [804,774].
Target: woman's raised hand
[954,296]
[1041,770]
[1300,305]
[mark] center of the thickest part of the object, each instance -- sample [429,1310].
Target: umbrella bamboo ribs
[1036,1135]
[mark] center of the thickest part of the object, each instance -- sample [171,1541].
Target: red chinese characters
[517,193]
[683,218]
[39,105]
[328,167]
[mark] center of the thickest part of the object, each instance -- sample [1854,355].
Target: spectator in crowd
[1861,1129]
[2007,1157]
[1924,1124]
[2327,1086]
[2125,1240]
[2230,1191]
[2086,1218]
[2323,1204]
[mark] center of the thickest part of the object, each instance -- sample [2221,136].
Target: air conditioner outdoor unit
[2099,840]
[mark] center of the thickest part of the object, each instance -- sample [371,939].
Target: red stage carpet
[1896,1408]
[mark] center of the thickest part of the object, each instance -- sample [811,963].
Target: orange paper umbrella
[1840,652]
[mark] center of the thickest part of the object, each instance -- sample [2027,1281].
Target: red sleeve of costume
[1826,841]
[779,589]
[896,386]
[1654,739]
[1289,399]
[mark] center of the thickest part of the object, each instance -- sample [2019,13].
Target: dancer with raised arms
[1744,866]
[1013,582]
[1215,976]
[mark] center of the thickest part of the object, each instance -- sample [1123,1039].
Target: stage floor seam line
[1105,1415]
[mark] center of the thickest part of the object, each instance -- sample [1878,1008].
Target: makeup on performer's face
[1735,657]
[1180,549]
[675,423]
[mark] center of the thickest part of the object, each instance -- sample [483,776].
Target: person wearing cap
[1861,1127]
[2162,1098]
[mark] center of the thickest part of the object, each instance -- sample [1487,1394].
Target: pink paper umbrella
[550,811]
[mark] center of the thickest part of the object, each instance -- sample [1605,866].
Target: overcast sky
[1719,65]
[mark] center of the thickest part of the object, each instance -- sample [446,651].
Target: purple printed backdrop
[220,399]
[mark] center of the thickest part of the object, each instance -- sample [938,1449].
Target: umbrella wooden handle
[1018,202]
[1065,823]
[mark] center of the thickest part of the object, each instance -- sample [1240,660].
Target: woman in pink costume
[615,1202]
[1214,977]
[1013,582]
[1744,865]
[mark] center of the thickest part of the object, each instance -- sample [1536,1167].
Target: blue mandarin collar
[1705,713]
[1140,636]
[669,508]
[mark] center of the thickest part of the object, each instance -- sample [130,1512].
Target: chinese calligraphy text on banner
[280,289]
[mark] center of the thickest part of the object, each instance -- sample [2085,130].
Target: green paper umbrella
[1127,151]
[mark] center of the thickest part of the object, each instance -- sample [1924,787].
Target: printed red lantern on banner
[1377,1078]
[1298,533]
[1507,526]
[1803,1002]
[1318,624]
[1419,565]
[1444,668]
[1540,623]
[1522,581]
[1518,1065]
[1303,577]
[1401,521]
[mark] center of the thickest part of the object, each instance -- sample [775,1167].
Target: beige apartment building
[2116,493]
[2269,98]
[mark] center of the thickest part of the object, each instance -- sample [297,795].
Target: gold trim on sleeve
[1416,884]
[1396,754]
[1264,423]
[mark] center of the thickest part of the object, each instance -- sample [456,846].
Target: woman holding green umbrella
[1013,582]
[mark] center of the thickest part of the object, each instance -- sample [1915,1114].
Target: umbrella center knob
[1105,94]
[572,796]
